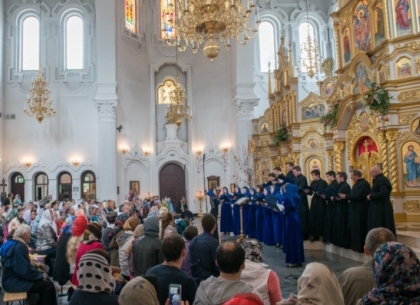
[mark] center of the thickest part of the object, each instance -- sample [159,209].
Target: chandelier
[178,110]
[38,101]
[209,22]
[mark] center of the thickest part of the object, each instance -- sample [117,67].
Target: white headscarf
[46,219]
[318,285]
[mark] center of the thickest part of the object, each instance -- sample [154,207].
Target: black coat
[341,215]
[62,268]
[330,216]
[301,182]
[358,211]
[381,212]
[318,209]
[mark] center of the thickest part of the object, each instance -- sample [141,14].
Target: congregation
[134,253]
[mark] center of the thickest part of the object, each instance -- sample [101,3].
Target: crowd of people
[133,253]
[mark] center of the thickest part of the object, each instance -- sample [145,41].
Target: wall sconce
[124,150]
[27,164]
[75,163]
[147,152]
[225,149]
[198,152]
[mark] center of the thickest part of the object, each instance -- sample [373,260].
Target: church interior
[131,101]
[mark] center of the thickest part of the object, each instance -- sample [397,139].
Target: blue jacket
[18,273]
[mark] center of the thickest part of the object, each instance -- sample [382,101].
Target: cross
[3,185]
[366,145]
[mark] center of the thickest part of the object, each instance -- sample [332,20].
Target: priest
[302,183]
[318,206]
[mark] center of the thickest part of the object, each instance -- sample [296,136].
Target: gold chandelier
[178,110]
[209,21]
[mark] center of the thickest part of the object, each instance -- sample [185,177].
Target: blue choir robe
[279,223]
[245,211]
[259,219]
[226,219]
[268,226]
[236,213]
[293,239]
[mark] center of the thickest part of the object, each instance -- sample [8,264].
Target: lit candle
[186,5]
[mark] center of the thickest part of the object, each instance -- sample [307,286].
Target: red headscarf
[244,299]
[79,226]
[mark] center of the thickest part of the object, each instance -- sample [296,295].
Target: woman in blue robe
[245,209]
[252,217]
[293,239]
[226,219]
[259,213]
[278,219]
[236,211]
[268,221]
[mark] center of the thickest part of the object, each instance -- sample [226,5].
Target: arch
[74,42]
[17,185]
[64,186]
[172,181]
[40,186]
[88,185]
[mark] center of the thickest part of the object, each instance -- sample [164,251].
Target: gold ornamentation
[328,67]
[412,205]
[337,44]
[330,159]
[392,137]
[338,150]
[404,119]
[418,65]
[415,45]
[384,153]
[405,135]
[293,102]
[386,21]
[411,95]
[312,99]
[296,158]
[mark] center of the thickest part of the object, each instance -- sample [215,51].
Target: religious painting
[264,128]
[381,74]
[213,182]
[361,26]
[265,169]
[312,164]
[379,23]
[415,127]
[403,68]
[232,187]
[346,45]
[363,80]
[328,89]
[402,17]
[410,153]
[312,143]
[313,111]
[418,11]
[167,19]
[130,15]
[135,187]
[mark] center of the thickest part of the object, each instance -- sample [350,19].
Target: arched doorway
[172,182]
[64,186]
[18,186]
[41,186]
[89,185]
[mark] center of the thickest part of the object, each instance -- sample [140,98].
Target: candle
[186,5]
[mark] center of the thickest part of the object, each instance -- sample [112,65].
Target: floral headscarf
[67,226]
[396,271]
[253,249]
[119,223]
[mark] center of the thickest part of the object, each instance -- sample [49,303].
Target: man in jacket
[148,248]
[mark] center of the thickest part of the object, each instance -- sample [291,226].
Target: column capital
[245,108]
[106,109]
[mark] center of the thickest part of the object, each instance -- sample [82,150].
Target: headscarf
[131,224]
[151,226]
[95,231]
[79,226]
[238,194]
[138,231]
[181,226]
[244,299]
[94,274]
[79,212]
[318,285]
[227,191]
[247,192]
[67,226]
[396,271]
[253,250]
[46,219]
[138,289]
[12,214]
[119,223]
[291,191]
[27,215]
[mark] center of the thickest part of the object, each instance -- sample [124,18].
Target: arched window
[130,15]
[41,186]
[64,187]
[74,43]
[267,46]
[307,45]
[164,92]
[30,43]
[167,19]
[89,185]
[18,185]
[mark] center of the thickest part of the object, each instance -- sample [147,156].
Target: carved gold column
[330,159]
[339,151]
[386,21]
[337,44]
[384,153]
[392,140]
[286,103]
[296,158]
[293,102]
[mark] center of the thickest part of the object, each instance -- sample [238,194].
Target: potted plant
[329,118]
[282,135]
[377,99]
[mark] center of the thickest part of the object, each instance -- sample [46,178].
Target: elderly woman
[18,274]
[258,275]
[46,239]
[396,271]
[96,283]
[138,291]
[124,242]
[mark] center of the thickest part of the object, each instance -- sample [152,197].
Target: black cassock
[330,216]
[318,209]
[301,182]
[381,213]
[341,215]
[358,215]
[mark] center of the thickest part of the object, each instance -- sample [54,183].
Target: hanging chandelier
[208,22]
[178,110]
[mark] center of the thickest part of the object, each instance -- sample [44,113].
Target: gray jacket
[45,238]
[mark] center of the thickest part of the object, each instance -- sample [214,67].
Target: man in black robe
[381,212]
[341,211]
[330,209]
[302,183]
[289,170]
[318,206]
[358,211]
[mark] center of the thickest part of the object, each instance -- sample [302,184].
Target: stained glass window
[130,15]
[164,92]
[167,19]
[267,46]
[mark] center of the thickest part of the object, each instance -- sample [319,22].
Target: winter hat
[131,223]
[79,226]
[95,229]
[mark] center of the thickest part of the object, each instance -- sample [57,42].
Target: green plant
[329,118]
[281,135]
[377,99]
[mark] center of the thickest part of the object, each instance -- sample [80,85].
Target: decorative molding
[411,95]
[412,205]
[311,99]
[405,119]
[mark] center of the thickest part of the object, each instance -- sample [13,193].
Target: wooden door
[18,186]
[172,182]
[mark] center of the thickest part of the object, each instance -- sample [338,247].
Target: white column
[2,23]
[106,99]
[244,115]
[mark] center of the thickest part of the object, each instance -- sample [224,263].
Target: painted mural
[362,27]
[379,24]
[402,17]
[264,128]
[403,68]
[410,152]
[346,45]
[415,127]
[363,79]
[313,111]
